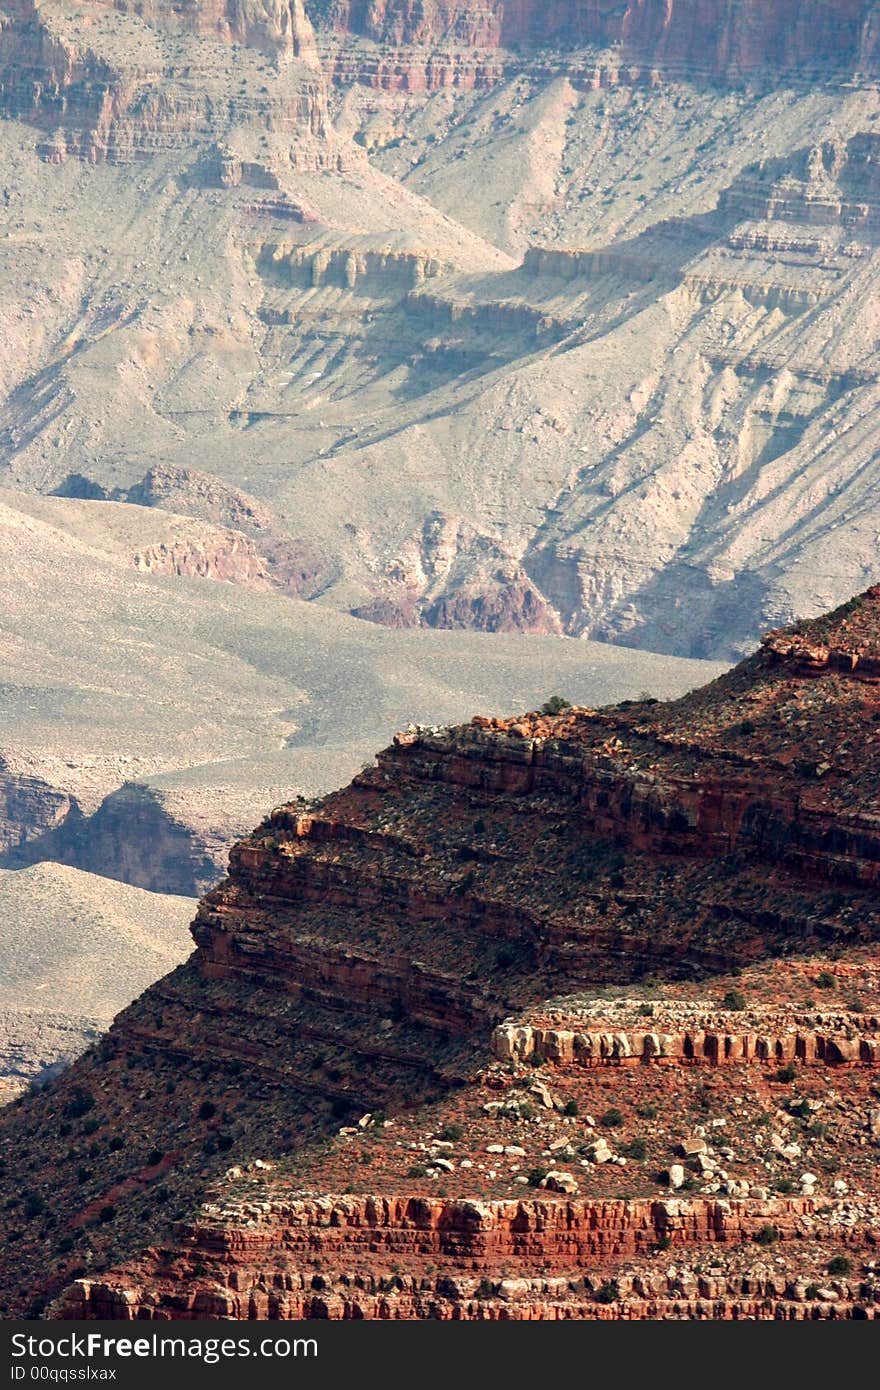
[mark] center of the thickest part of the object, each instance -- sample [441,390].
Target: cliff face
[361,955]
[696,39]
[571,1241]
[119,82]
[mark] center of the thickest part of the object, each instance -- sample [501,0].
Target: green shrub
[207,1110]
[734,1000]
[840,1264]
[571,1108]
[609,1292]
[537,1176]
[155,1156]
[786,1073]
[418,1170]
[106,1214]
[33,1205]
[612,1118]
[452,1133]
[555,705]
[636,1148]
[80,1104]
[767,1235]
[825,980]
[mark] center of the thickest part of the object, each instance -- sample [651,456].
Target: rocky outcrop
[268,555]
[132,837]
[29,808]
[467,43]
[230,557]
[358,956]
[351,268]
[119,83]
[467,1244]
[565,1047]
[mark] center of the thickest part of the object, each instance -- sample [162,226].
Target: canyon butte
[575,1015]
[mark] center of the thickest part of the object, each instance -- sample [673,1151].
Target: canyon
[625,393]
[625,956]
[581,354]
[535,355]
[397,365]
[471,42]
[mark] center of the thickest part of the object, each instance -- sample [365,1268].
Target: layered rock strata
[457,1240]
[470,43]
[118,83]
[362,950]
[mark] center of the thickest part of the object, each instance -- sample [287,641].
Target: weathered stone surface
[354,963]
[466,43]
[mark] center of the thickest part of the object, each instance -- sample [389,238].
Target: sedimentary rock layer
[465,1243]
[361,951]
[471,42]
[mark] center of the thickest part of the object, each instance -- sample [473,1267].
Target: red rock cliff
[802,39]
[361,953]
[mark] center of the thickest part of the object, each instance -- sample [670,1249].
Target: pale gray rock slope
[148,719]
[657,430]
[75,948]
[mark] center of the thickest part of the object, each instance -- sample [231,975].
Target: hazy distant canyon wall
[707,38]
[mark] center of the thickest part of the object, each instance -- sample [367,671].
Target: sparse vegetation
[636,1149]
[612,1118]
[557,704]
